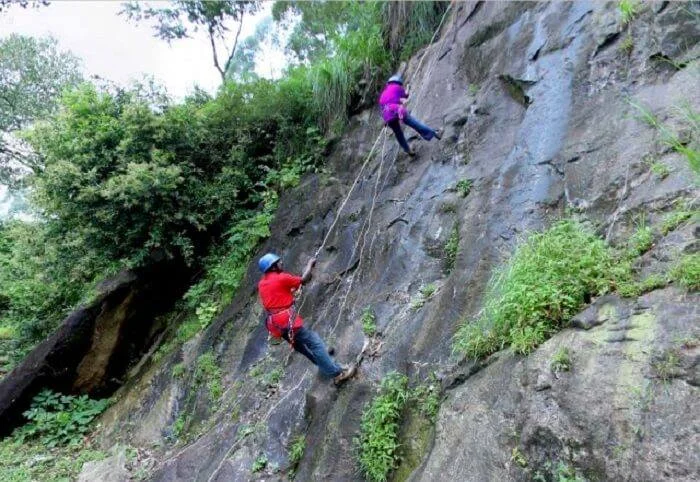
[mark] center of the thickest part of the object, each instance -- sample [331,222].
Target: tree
[6,4]
[33,75]
[179,18]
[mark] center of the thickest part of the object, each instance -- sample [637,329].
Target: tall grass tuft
[547,280]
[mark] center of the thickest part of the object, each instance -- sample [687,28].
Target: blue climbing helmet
[396,78]
[266,262]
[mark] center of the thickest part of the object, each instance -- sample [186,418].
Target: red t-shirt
[276,292]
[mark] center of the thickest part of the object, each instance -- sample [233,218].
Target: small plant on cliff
[259,464]
[209,374]
[561,361]
[464,187]
[628,10]
[687,272]
[296,452]
[452,249]
[57,419]
[369,321]
[378,440]
[427,398]
[674,219]
[641,241]
[548,279]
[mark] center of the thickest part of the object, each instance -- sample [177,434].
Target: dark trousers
[308,343]
[425,132]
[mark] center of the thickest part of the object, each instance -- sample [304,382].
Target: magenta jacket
[390,102]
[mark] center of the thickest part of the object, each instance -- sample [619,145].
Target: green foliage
[518,457]
[424,294]
[56,419]
[629,288]
[628,10]
[30,461]
[660,169]
[688,119]
[259,464]
[369,321]
[666,366]
[378,440]
[674,219]
[557,472]
[641,241]
[548,279]
[179,370]
[627,45]
[451,249]
[464,187]
[686,272]
[208,373]
[296,450]
[427,398]
[33,74]
[273,377]
[561,361]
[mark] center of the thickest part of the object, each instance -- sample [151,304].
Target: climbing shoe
[347,373]
[331,351]
[438,134]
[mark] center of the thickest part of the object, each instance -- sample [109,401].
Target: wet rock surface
[564,139]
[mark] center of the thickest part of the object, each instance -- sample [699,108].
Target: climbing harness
[273,328]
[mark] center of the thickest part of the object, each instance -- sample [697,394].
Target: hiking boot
[411,153]
[438,134]
[331,351]
[347,373]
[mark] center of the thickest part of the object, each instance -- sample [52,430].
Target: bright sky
[119,50]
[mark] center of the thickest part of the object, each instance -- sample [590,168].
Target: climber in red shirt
[276,289]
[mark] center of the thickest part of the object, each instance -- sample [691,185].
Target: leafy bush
[56,419]
[378,439]
[547,280]
[686,272]
[369,321]
[427,398]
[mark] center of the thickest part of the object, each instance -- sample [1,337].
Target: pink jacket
[390,102]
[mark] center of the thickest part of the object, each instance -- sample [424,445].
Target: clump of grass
[296,450]
[659,169]
[369,321]
[208,373]
[689,118]
[473,89]
[561,361]
[667,365]
[377,443]
[448,208]
[628,10]
[686,272]
[464,187]
[548,279]
[641,241]
[273,377]
[518,457]
[627,45]
[424,294]
[674,219]
[259,463]
[451,249]
[630,288]
[179,370]
[427,398]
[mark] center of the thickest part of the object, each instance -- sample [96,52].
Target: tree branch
[216,57]
[235,43]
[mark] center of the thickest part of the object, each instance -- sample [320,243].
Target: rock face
[537,101]
[96,344]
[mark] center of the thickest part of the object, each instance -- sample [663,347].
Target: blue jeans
[308,343]
[425,132]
